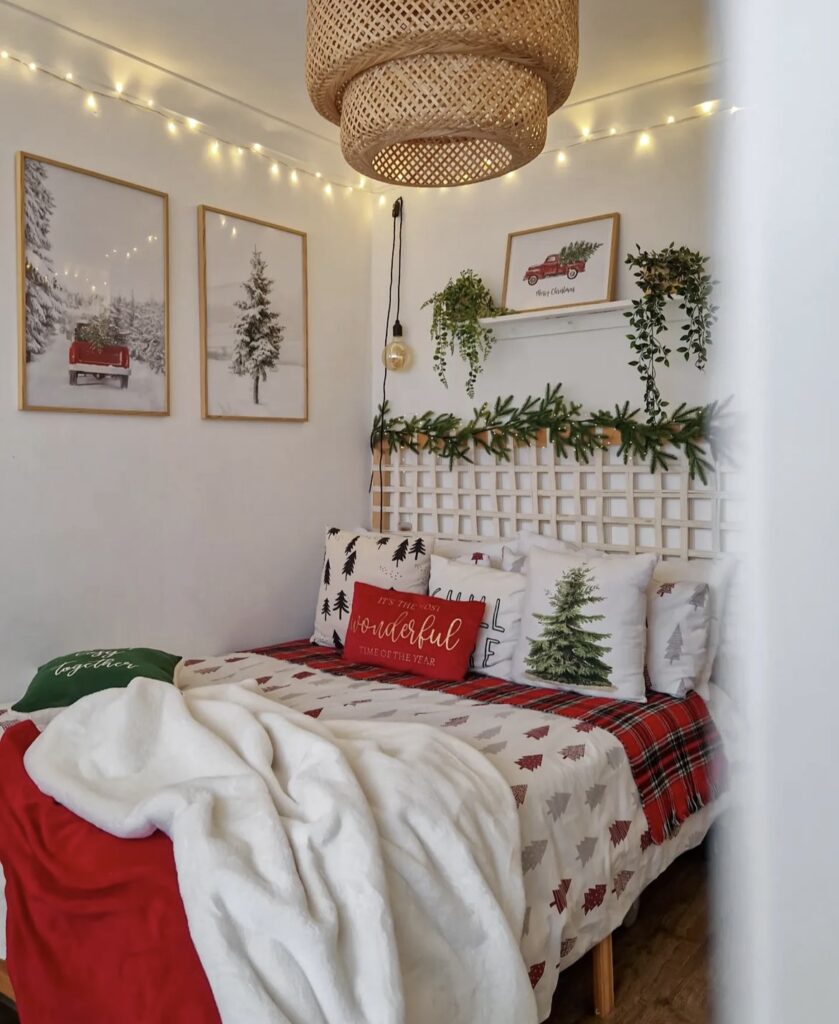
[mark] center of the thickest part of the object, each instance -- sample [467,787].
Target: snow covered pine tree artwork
[93,271]
[567,651]
[253,318]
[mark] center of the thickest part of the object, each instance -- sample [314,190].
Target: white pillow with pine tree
[392,561]
[503,592]
[584,624]
[678,617]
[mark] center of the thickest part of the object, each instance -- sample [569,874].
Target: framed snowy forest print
[254,343]
[93,285]
[571,264]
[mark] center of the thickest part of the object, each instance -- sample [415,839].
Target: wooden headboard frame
[604,503]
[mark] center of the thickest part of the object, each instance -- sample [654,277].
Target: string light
[173,128]
[734,110]
[586,132]
[119,87]
[671,119]
[32,66]
[191,123]
[239,151]
[149,104]
[318,174]
[561,157]
[275,169]
[69,76]
[90,102]
[294,177]
[327,188]
[613,131]
[4,54]
[215,148]
[644,140]
[257,147]
[382,200]
[707,107]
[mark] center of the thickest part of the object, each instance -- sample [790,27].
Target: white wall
[663,194]
[187,535]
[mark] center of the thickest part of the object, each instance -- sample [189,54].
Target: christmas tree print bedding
[586,846]
[400,562]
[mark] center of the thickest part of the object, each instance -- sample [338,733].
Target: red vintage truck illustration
[97,360]
[570,261]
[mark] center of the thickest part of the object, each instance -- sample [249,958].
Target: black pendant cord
[397,213]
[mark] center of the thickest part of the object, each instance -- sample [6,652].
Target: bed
[607,794]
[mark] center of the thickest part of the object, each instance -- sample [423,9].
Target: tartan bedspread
[674,749]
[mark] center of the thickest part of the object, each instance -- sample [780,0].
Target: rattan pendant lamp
[440,92]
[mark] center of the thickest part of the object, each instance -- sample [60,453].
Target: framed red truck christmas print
[254,347]
[570,264]
[93,291]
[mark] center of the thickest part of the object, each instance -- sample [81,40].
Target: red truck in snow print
[97,361]
[553,268]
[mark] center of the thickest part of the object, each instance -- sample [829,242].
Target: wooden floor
[661,964]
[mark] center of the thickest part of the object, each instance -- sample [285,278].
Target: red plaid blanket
[673,746]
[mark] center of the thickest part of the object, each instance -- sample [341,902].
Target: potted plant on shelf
[670,273]
[456,311]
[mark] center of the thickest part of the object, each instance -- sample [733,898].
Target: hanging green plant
[672,272]
[456,311]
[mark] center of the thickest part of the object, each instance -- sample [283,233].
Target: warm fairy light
[119,87]
[239,151]
[32,66]
[671,119]
[561,157]
[191,123]
[362,181]
[707,107]
[275,169]
[149,103]
[644,140]
[93,287]
[90,102]
[69,76]
[173,128]
[294,177]
[327,188]
[613,131]
[586,132]
[318,174]
[382,200]
[734,110]
[233,232]
[215,148]
[4,54]
[257,147]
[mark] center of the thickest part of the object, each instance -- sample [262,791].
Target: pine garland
[692,430]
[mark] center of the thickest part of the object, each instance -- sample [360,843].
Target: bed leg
[604,978]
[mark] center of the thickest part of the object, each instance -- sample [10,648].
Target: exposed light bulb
[396,355]
[119,87]
[191,123]
[90,102]
[561,157]
[275,169]
[644,140]
[671,119]
[257,147]
[173,128]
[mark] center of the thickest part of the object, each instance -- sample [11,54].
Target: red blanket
[673,746]
[96,930]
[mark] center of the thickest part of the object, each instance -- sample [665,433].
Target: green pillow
[65,680]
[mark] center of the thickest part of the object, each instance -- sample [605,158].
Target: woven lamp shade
[440,92]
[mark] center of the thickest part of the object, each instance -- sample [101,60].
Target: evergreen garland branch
[693,431]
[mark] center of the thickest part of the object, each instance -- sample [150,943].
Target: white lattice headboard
[604,503]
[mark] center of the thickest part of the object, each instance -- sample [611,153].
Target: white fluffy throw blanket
[345,873]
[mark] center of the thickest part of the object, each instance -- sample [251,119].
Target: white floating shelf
[602,316]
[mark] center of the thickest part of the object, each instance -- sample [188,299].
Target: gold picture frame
[50,379]
[211,407]
[585,281]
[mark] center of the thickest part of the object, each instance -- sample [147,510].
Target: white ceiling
[252,52]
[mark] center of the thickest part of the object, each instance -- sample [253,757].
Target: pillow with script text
[414,633]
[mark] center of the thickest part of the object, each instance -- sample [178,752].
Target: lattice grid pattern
[615,507]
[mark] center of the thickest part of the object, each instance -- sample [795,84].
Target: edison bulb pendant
[396,355]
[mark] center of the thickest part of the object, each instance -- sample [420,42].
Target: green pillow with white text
[65,680]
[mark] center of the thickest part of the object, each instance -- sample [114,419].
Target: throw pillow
[64,680]
[503,594]
[584,624]
[400,561]
[677,635]
[412,633]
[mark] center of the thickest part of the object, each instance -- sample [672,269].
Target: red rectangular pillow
[412,632]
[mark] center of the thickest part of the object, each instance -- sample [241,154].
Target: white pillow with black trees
[584,624]
[393,562]
[467,579]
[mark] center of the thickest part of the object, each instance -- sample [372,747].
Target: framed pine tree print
[254,319]
[93,288]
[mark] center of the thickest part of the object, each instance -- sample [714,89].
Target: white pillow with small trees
[391,561]
[678,617]
[584,624]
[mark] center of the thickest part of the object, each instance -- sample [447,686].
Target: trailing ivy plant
[693,431]
[454,325]
[669,273]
